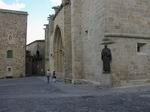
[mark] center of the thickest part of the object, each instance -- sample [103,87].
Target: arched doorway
[58,53]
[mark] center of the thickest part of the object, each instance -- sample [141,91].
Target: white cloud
[13,6]
[55,2]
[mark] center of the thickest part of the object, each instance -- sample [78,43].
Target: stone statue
[106,58]
[37,53]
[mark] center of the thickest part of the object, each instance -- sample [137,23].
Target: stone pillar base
[106,80]
[68,81]
[78,81]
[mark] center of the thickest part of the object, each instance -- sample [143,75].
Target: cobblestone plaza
[35,95]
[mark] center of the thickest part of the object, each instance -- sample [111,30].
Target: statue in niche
[106,58]
[37,54]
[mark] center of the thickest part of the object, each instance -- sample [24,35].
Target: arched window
[9,54]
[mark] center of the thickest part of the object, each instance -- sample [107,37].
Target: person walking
[54,76]
[48,74]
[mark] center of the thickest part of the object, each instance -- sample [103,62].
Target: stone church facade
[13,30]
[77,33]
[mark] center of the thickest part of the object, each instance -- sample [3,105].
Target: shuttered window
[9,54]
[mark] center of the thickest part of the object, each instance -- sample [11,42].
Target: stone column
[57,49]
[58,53]
[50,46]
[67,42]
[46,47]
[77,51]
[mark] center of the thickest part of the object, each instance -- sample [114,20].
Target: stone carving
[106,58]
[56,8]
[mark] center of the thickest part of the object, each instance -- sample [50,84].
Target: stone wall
[58,23]
[37,45]
[32,47]
[127,23]
[13,29]
[85,24]
[77,45]
[67,43]
[128,17]
[62,22]
[92,33]
[38,63]
[127,63]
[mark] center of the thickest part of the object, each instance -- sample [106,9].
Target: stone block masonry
[13,32]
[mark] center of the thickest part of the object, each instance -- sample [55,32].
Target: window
[9,54]
[140,46]
[9,69]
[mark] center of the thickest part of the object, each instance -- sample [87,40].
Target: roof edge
[35,42]
[13,11]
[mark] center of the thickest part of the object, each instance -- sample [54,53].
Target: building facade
[13,30]
[35,58]
[78,31]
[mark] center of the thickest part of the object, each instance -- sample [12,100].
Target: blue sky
[38,11]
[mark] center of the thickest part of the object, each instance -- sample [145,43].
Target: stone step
[135,82]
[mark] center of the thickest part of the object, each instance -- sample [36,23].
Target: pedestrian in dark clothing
[54,76]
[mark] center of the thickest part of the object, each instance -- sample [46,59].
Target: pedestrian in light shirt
[48,74]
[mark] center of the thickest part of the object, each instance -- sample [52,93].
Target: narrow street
[35,95]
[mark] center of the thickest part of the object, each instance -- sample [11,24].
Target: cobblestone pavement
[35,95]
